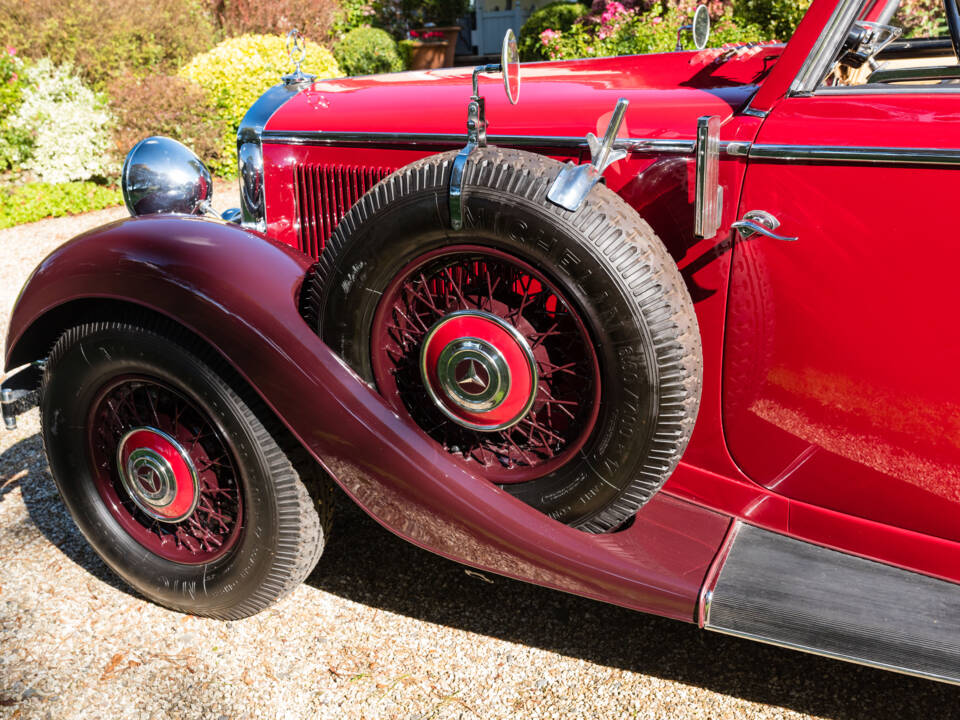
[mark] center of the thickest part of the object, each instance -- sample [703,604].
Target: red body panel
[841,361]
[810,329]
[667,93]
[238,291]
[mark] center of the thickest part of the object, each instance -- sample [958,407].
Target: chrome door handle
[760,222]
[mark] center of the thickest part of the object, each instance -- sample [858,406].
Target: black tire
[280,533]
[604,258]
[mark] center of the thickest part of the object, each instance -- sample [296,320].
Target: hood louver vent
[325,193]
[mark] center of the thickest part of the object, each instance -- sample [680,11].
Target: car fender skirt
[237,290]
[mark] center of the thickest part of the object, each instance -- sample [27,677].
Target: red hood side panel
[667,92]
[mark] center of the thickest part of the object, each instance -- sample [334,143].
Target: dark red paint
[238,291]
[828,363]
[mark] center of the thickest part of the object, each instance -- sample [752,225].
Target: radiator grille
[324,195]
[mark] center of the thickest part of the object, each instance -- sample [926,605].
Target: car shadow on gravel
[47,511]
[367,564]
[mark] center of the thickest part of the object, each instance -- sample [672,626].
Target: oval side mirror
[510,64]
[701,27]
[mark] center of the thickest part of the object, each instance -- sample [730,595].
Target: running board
[790,593]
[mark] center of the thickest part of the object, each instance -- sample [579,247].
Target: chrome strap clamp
[476,137]
[574,182]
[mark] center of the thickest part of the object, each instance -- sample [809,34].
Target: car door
[842,347]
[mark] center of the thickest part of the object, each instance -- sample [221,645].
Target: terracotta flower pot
[450,35]
[427,55]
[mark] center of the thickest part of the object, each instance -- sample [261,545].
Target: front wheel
[176,474]
[555,353]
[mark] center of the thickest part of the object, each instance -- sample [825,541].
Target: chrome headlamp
[163,176]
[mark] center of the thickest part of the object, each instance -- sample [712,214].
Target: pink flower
[656,20]
[613,9]
[548,36]
[11,50]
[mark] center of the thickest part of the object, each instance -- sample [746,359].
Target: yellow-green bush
[238,71]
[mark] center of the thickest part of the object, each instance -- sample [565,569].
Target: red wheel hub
[158,474]
[479,371]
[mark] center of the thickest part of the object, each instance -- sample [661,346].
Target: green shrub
[631,32]
[104,38]
[559,16]
[15,141]
[68,123]
[777,19]
[237,72]
[367,51]
[164,105]
[35,201]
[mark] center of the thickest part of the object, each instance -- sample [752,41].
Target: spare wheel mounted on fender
[556,352]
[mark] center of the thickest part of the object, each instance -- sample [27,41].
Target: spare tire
[556,353]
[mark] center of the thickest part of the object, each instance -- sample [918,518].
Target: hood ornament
[297,50]
[477,118]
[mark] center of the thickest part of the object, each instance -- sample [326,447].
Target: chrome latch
[759,222]
[708,193]
[574,182]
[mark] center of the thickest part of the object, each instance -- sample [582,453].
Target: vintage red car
[718,386]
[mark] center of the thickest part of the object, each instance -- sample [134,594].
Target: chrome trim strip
[638,145]
[818,61]
[753,112]
[928,72]
[879,89]
[252,198]
[855,154]
[833,656]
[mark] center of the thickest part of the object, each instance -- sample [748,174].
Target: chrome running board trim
[638,145]
[806,597]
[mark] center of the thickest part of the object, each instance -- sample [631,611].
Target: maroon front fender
[238,291]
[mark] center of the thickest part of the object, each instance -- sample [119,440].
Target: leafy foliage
[557,16]
[237,72]
[164,105]
[367,51]
[15,141]
[775,18]
[104,38]
[921,18]
[35,201]
[620,31]
[68,123]
[398,17]
[314,18]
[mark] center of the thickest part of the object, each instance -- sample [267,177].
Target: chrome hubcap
[479,370]
[473,374]
[158,474]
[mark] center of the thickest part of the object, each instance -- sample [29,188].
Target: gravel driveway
[380,630]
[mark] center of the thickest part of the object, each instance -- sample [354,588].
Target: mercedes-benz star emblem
[472,377]
[148,479]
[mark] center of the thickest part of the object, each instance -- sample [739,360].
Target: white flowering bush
[69,123]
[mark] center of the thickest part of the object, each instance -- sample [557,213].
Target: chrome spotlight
[161,175]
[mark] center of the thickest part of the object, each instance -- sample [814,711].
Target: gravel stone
[380,630]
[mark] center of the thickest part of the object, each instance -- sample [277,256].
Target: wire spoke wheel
[148,408]
[489,282]
[556,354]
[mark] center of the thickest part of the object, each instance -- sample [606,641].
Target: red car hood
[667,93]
